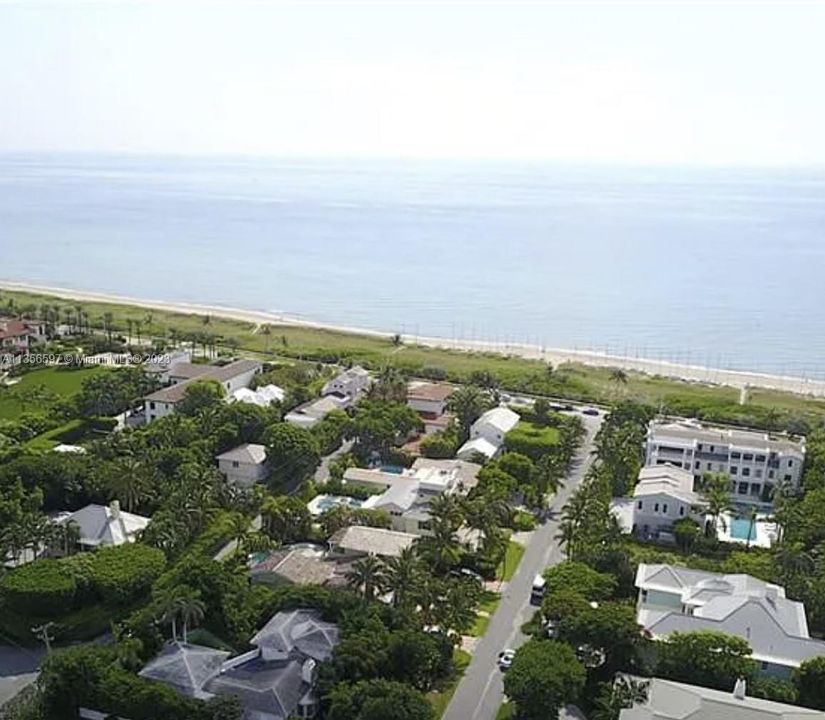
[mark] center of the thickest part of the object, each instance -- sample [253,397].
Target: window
[743,488]
[713,448]
[764,665]
[771,474]
[698,464]
[656,507]
[639,505]
[644,595]
[735,456]
[756,489]
[760,458]
[746,472]
[790,463]
[152,405]
[788,478]
[710,466]
[758,472]
[664,508]
[700,447]
[747,457]
[734,470]
[235,464]
[682,510]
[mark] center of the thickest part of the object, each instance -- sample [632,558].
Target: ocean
[723,267]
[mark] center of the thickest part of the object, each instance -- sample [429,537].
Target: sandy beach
[556,356]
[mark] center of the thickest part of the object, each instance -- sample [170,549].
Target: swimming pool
[739,528]
[322,503]
[394,469]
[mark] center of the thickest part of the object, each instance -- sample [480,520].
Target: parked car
[590,411]
[505,658]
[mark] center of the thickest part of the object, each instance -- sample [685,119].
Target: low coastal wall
[557,356]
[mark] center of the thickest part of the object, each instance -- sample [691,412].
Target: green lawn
[62,381]
[506,711]
[489,602]
[512,557]
[479,626]
[440,696]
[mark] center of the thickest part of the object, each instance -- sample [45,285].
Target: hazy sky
[656,82]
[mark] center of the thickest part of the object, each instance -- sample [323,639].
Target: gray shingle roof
[301,630]
[187,668]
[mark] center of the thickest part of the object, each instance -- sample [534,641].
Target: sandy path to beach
[557,356]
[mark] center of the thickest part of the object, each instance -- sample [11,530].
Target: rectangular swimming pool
[739,528]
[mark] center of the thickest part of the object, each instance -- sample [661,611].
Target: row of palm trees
[180,604]
[34,533]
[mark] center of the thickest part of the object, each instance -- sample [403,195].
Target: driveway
[18,668]
[481,690]
[322,472]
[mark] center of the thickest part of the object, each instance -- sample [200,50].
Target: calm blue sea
[717,267]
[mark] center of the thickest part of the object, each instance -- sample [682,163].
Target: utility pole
[42,632]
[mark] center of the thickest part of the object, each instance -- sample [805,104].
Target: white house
[263,396]
[161,367]
[488,432]
[679,599]
[358,540]
[755,461]
[231,377]
[311,413]
[101,525]
[244,465]
[668,700]
[351,383]
[663,495]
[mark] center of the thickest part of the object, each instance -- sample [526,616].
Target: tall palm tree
[129,481]
[441,549]
[107,325]
[447,509]
[191,609]
[467,404]
[168,603]
[367,575]
[403,574]
[715,492]
[390,385]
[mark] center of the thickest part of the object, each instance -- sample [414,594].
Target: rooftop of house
[105,524]
[301,564]
[501,418]
[693,431]
[668,480]
[371,541]
[465,473]
[185,667]
[263,396]
[175,393]
[668,700]
[402,495]
[318,408]
[13,329]
[248,453]
[298,630]
[478,445]
[742,605]
[430,392]
[186,370]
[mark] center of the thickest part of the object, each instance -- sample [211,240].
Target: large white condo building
[756,462]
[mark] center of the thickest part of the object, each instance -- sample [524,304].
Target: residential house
[244,465]
[102,525]
[663,495]
[487,434]
[19,336]
[299,564]
[161,367]
[231,377]
[676,599]
[273,681]
[756,461]
[430,401]
[351,383]
[669,700]
[311,413]
[358,541]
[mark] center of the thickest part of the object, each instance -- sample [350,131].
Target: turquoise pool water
[331,501]
[739,529]
[258,557]
[396,469]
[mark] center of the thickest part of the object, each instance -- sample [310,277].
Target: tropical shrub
[43,588]
[122,574]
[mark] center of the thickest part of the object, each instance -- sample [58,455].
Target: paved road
[18,668]
[481,690]
[322,473]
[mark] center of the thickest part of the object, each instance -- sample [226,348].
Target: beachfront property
[430,401]
[19,336]
[352,383]
[669,700]
[273,681]
[262,396]
[232,377]
[312,412]
[755,461]
[677,599]
[244,465]
[662,495]
[104,525]
[406,495]
[488,432]
[160,366]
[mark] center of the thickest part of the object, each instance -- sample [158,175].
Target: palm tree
[446,509]
[367,575]
[389,386]
[793,561]
[715,492]
[467,404]
[191,609]
[750,516]
[107,325]
[441,548]
[129,481]
[403,574]
[169,606]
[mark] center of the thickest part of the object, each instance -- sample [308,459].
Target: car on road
[590,411]
[505,658]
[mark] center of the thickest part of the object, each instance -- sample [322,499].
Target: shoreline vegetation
[725,396]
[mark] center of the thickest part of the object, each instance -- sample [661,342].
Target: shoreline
[741,379]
